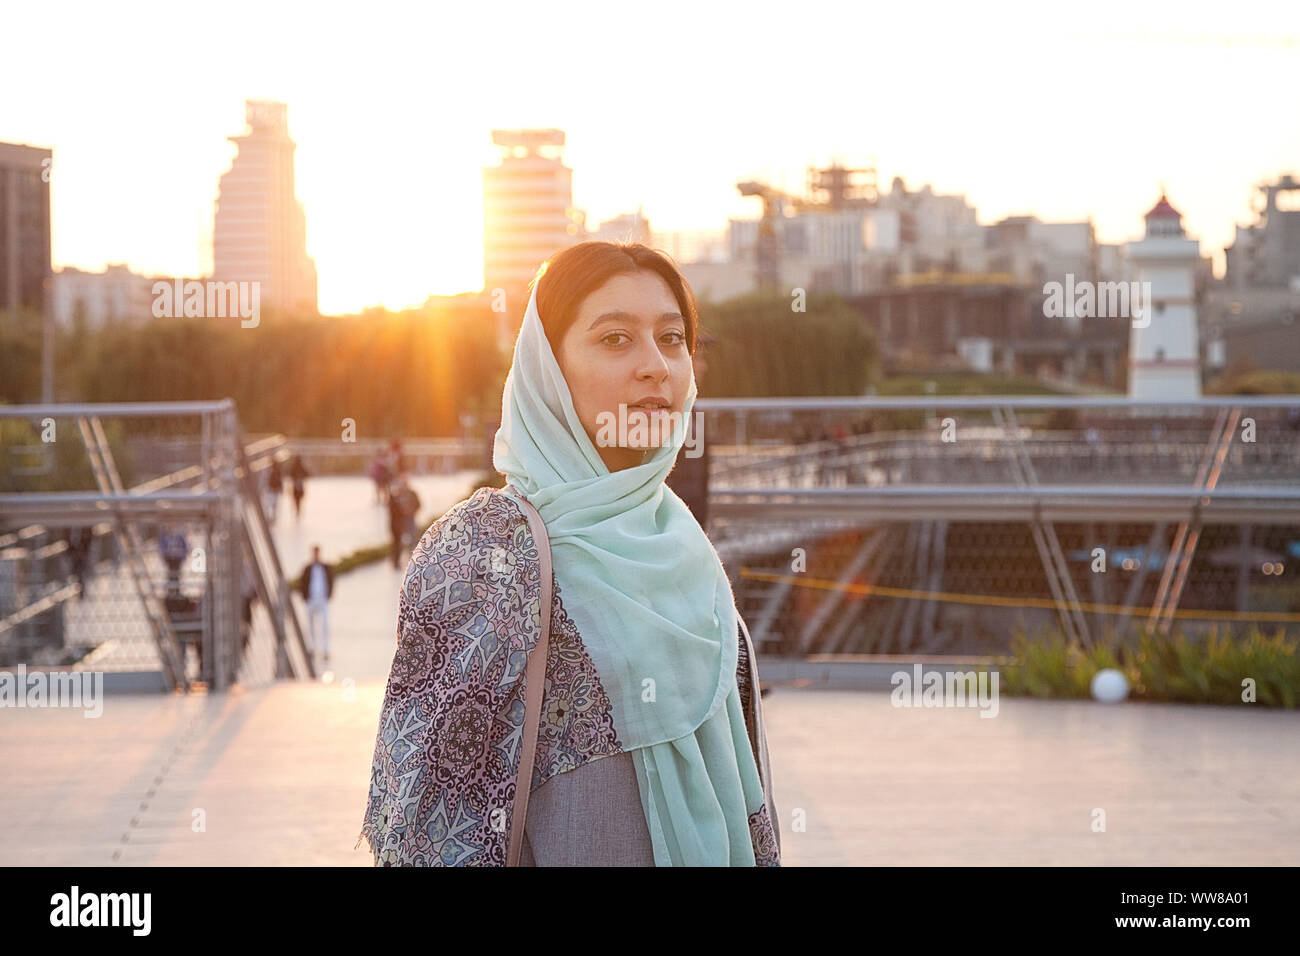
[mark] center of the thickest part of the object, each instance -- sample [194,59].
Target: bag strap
[534,678]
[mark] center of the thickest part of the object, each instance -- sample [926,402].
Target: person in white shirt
[317,587]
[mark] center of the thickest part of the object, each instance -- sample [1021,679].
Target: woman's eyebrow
[610,316]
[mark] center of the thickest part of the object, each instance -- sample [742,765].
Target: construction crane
[768,251]
[830,189]
[837,187]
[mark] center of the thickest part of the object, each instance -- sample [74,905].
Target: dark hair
[572,274]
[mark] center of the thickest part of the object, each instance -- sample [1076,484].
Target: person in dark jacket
[274,488]
[80,541]
[298,473]
[403,503]
[316,585]
[174,548]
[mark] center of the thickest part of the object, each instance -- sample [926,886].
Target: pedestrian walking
[403,503]
[298,474]
[381,476]
[173,547]
[316,585]
[274,488]
[80,541]
[396,460]
[410,506]
[247,597]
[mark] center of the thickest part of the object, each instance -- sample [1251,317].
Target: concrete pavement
[278,775]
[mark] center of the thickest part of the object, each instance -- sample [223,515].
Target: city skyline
[1055,118]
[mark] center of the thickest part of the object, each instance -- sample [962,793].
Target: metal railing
[135,618]
[898,498]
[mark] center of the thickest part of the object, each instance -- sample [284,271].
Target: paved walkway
[340,514]
[278,774]
[1179,785]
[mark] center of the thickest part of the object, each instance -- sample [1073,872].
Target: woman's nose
[651,362]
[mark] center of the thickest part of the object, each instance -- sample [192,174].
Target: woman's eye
[616,338]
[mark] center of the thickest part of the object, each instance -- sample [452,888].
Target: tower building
[1164,350]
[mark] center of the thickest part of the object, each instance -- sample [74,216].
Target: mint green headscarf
[648,593]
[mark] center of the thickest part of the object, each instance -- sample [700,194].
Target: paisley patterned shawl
[442,783]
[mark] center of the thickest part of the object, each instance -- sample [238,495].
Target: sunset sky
[1026,110]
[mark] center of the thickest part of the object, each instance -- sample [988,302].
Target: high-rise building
[1164,351]
[24,226]
[528,213]
[260,232]
[1267,254]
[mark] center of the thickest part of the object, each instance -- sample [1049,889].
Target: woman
[650,749]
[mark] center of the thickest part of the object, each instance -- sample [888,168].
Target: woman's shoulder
[476,564]
[478,539]
[488,511]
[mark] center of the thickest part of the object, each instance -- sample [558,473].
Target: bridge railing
[129,544]
[809,442]
[881,524]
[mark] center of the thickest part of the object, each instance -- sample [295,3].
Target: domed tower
[1164,351]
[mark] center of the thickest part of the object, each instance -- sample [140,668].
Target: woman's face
[627,345]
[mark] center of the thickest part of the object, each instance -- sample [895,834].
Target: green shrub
[1159,667]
